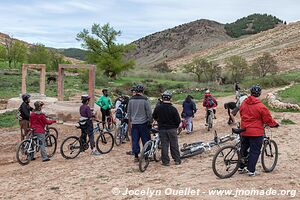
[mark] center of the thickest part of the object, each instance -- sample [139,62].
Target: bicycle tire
[179,130]
[188,153]
[157,153]
[73,146]
[210,122]
[105,139]
[111,126]
[145,156]
[118,136]
[268,147]
[54,132]
[50,141]
[235,162]
[26,145]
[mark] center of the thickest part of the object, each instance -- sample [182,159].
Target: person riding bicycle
[168,120]
[189,109]
[105,105]
[209,102]
[24,115]
[140,118]
[86,123]
[38,122]
[254,115]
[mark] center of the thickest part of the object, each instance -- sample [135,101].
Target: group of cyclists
[138,113]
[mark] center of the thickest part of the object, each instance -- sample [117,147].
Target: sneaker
[95,153]
[215,117]
[136,159]
[251,173]
[206,124]
[243,170]
[178,162]
[46,160]
[129,153]
[32,159]
[166,164]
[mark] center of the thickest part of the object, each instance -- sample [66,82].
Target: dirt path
[88,177]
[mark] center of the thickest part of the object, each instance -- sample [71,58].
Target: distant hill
[178,41]
[251,25]
[78,54]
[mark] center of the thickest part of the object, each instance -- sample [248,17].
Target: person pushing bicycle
[209,102]
[38,122]
[86,123]
[254,115]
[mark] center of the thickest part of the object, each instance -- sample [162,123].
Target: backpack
[19,114]
[120,112]
[209,101]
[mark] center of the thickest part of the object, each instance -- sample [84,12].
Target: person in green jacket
[105,105]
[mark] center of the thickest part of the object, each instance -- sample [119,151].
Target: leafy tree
[18,52]
[265,64]
[55,59]
[237,66]
[39,54]
[103,50]
[2,53]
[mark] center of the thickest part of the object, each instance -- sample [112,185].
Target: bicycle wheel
[50,145]
[110,126]
[70,147]
[226,161]
[22,155]
[118,136]
[53,131]
[105,142]
[157,153]
[145,156]
[210,122]
[269,156]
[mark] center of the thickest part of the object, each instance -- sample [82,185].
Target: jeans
[41,141]
[169,138]
[189,124]
[139,131]
[255,144]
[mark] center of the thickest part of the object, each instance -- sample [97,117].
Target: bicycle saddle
[238,130]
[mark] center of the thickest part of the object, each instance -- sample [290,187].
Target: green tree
[103,50]
[265,64]
[2,53]
[18,52]
[55,59]
[39,54]
[237,66]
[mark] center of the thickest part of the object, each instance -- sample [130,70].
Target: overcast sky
[56,23]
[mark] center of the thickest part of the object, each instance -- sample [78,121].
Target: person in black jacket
[168,121]
[24,115]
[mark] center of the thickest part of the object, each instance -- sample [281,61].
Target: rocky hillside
[178,41]
[283,42]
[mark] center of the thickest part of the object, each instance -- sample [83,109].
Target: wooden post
[24,74]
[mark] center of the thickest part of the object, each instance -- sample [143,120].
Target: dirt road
[88,177]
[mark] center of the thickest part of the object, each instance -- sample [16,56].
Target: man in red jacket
[254,115]
[38,122]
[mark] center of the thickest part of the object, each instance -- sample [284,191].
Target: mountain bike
[210,118]
[27,148]
[72,146]
[227,159]
[189,150]
[110,122]
[150,151]
[121,132]
[183,125]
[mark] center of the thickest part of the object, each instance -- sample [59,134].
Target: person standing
[168,120]
[86,124]
[38,122]
[24,115]
[189,109]
[140,118]
[237,90]
[105,105]
[254,115]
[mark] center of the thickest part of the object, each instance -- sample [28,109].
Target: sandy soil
[88,177]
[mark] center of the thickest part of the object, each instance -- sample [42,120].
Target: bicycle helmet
[25,97]
[167,95]
[255,90]
[207,91]
[133,89]
[139,88]
[38,105]
[85,98]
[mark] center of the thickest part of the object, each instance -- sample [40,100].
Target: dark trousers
[139,131]
[88,129]
[105,113]
[255,144]
[168,138]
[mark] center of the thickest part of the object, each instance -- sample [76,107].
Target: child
[38,122]
[24,115]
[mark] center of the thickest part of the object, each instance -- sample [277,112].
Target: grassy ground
[291,95]
[287,121]
[264,101]
[8,119]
